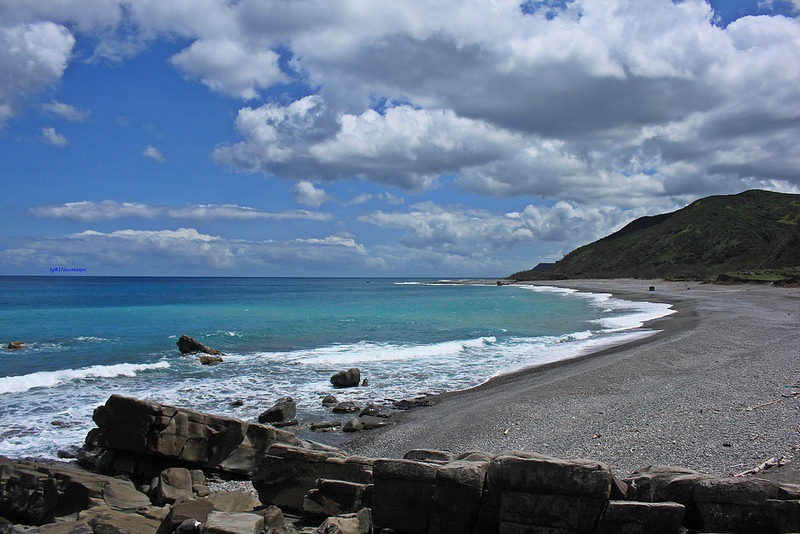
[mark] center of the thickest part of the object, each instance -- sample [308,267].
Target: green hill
[752,235]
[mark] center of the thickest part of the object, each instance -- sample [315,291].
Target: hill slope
[754,230]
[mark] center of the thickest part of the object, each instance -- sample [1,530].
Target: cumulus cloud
[228,67]
[203,212]
[95,211]
[33,56]
[306,194]
[51,137]
[153,153]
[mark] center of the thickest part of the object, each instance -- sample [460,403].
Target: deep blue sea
[89,337]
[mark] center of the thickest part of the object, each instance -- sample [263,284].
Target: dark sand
[684,396]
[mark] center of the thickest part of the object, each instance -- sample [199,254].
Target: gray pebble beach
[713,390]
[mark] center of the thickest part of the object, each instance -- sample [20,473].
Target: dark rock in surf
[347,379]
[189,345]
[345,407]
[15,345]
[284,409]
[210,360]
[329,400]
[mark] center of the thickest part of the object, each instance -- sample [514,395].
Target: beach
[712,391]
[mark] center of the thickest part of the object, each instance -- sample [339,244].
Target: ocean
[90,337]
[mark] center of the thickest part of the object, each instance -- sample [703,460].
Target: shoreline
[682,396]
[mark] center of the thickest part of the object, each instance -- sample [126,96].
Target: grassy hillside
[753,233]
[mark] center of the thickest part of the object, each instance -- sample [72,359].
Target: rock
[346,379]
[189,345]
[201,490]
[407,404]
[340,525]
[234,501]
[403,494]
[474,456]
[210,360]
[273,517]
[237,402]
[365,422]
[329,400]
[284,409]
[105,521]
[457,494]
[233,523]
[335,497]
[122,495]
[188,527]
[15,345]
[326,426]
[364,383]
[143,437]
[428,455]
[171,484]
[374,410]
[291,422]
[70,452]
[187,510]
[65,527]
[287,473]
[649,484]
[543,492]
[641,518]
[345,407]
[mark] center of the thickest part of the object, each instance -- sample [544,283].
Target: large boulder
[403,494]
[34,492]
[284,409]
[189,345]
[335,497]
[347,379]
[171,484]
[287,473]
[233,523]
[532,491]
[144,437]
[632,517]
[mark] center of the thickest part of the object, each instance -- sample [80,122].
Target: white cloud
[228,67]
[95,211]
[359,199]
[111,209]
[51,137]
[154,154]
[33,56]
[306,194]
[66,111]
[391,199]
[477,233]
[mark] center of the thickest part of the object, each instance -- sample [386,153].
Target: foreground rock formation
[163,454]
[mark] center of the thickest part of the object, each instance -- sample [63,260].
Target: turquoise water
[90,337]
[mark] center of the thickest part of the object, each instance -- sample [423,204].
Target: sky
[376,138]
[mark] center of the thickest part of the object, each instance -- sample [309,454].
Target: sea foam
[48,379]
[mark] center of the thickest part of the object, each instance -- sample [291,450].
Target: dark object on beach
[329,400]
[210,360]
[364,422]
[652,288]
[347,379]
[365,382]
[15,345]
[326,426]
[283,410]
[345,407]
[406,404]
[189,345]
[237,402]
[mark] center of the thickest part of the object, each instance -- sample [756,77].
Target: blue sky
[354,138]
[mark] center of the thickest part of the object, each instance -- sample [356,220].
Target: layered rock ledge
[324,490]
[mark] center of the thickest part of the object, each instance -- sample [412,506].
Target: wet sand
[711,391]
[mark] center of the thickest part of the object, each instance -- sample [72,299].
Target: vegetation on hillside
[753,235]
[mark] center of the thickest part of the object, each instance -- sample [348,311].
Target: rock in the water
[345,407]
[365,383]
[326,426]
[329,400]
[346,379]
[370,409]
[210,360]
[189,345]
[15,345]
[237,402]
[284,409]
